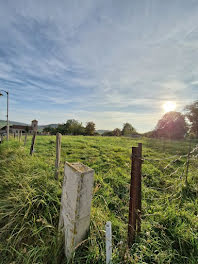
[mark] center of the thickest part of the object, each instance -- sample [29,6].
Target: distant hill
[4,123]
[101,131]
[50,125]
[41,127]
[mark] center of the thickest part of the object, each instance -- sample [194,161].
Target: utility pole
[7,116]
[7,111]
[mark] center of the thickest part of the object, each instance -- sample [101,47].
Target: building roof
[18,127]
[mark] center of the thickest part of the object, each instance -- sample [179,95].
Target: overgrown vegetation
[30,201]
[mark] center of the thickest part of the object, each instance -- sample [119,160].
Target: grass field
[30,201]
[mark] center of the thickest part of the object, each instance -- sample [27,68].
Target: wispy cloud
[103,60]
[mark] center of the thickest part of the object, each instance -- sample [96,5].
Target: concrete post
[108,242]
[75,209]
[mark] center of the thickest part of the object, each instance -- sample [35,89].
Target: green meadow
[30,200]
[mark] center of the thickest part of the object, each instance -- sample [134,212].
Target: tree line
[127,130]
[172,125]
[73,127]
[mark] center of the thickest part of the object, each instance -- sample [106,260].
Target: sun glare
[169,106]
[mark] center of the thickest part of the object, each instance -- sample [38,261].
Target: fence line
[170,157]
[134,223]
[58,154]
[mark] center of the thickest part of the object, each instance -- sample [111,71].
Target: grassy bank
[30,201]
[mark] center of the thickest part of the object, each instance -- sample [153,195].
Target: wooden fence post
[20,134]
[134,224]
[32,144]
[58,154]
[139,186]
[14,135]
[25,140]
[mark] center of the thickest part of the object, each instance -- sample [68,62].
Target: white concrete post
[108,242]
[75,204]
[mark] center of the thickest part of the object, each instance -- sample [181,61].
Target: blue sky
[98,60]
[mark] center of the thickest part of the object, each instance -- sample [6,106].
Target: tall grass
[30,201]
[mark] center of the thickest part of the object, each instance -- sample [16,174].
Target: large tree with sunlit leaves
[192,115]
[172,125]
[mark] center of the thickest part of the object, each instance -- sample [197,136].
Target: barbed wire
[173,161]
[167,158]
[194,157]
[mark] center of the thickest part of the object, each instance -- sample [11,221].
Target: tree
[49,129]
[90,128]
[192,115]
[117,132]
[128,130]
[172,125]
[60,128]
[73,127]
[27,129]
[107,134]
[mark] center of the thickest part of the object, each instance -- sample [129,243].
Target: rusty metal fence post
[134,224]
[139,186]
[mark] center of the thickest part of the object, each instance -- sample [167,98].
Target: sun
[169,106]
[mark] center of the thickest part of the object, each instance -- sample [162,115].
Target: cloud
[194,82]
[99,58]
[104,120]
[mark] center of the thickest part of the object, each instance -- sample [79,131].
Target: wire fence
[192,155]
[162,192]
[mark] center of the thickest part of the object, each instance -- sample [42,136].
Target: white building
[21,128]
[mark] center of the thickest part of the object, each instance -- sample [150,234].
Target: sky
[105,61]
